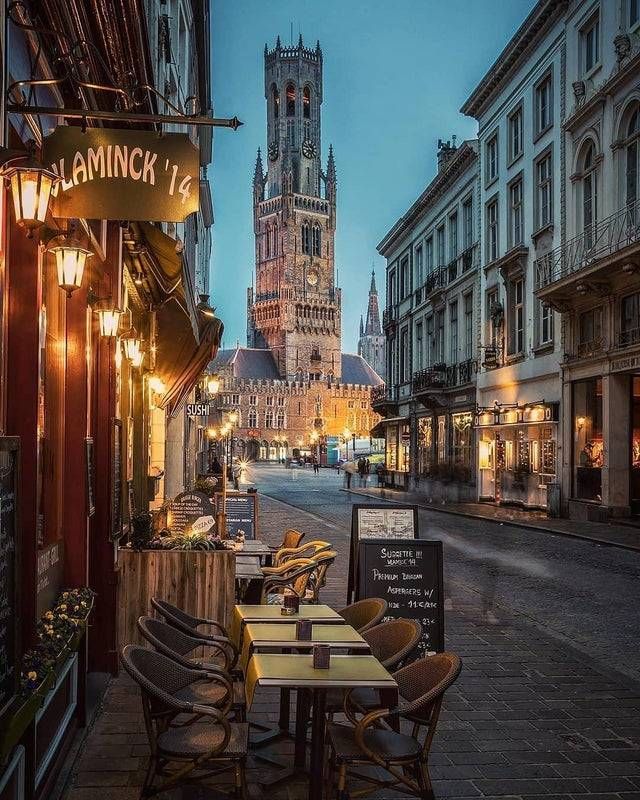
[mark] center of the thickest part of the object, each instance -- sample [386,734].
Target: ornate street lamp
[109,321]
[213,385]
[132,344]
[31,184]
[71,258]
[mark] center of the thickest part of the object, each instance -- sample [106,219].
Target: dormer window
[291,100]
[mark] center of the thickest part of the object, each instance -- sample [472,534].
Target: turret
[258,180]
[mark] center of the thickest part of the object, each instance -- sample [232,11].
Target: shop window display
[425,445]
[588,451]
[392,447]
[635,445]
[403,453]
[462,437]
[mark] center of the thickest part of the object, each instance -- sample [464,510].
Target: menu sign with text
[191,511]
[241,511]
[408,575]
[378,521]
[9,572]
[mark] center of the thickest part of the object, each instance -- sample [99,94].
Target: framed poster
[378,521]
[10,578]
[116,479]
[91,475]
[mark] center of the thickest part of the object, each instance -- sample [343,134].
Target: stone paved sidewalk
[529,718]
[609,533]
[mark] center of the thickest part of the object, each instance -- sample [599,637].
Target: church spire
[258,179]
[372,288]
[361,325]
[373,327]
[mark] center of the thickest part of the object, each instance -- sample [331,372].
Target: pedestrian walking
[380,473]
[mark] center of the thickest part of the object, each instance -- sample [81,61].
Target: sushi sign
[123,174]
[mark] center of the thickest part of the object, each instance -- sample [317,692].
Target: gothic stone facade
[292,380]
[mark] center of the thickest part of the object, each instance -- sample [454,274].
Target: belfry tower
[295,308]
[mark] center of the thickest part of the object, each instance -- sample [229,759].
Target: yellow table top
[296,671]
[272,613]
[268,634]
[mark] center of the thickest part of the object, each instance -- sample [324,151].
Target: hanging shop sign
[123,175]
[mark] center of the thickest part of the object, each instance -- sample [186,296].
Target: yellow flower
[63,616]
[32,675]
[63,607]
[48,615]
[65,595]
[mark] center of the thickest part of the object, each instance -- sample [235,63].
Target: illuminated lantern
[71,259]
[132,345]
[31,186]
[109,321]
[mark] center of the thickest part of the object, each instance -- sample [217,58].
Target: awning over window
[378,430]
[186,339]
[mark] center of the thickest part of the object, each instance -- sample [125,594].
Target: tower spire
[372,288]
[361,325]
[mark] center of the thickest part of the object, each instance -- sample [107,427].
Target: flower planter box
[201,582]
[447,491]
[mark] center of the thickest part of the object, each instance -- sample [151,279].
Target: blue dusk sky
[395,75]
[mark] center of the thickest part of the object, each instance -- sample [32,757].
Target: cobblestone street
[547,704]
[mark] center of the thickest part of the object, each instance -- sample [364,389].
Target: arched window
[589,195]
[316,242]
[268,419]
[306,239]
[276,101]
[306,103]
[632,157]
[252,419]
[291,100]
[268,241]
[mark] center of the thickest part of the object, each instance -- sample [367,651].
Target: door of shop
[634,466]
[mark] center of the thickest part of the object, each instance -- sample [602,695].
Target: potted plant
[141,530]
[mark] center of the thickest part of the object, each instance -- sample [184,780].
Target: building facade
[592,275]
[431,323]
[520,109]
[371,341]
[292,388]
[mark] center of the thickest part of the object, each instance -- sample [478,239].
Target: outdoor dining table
[243,614]
[297,672]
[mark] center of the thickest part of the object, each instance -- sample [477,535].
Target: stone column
[566,444]
[617,436]
[174,457]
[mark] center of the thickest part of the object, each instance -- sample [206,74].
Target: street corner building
[513,298]
[293,389]
[105,237]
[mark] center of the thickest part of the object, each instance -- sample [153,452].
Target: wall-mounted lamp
[132,344]
[213,384]
[156,384]
[71,258]
[204,308]
[580,421]
[137,360]
[31,184]
[109,321]
[212,433]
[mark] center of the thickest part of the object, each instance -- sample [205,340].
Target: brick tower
[295,309]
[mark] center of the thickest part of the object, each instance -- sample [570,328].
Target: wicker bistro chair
[307,550]
[391,642]
[179,646]
[319,578]
[373,741]
[364,614]
[292,577]
[189,741]
[180,618]
[291,539]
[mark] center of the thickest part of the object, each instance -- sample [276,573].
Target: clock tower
[295,308]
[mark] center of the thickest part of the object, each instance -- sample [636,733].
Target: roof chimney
[446,151]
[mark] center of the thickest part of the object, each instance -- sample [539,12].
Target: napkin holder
[303,630]
[291,605]
[321,656]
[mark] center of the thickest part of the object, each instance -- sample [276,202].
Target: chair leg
[240,780]
[427,788]
[146,789]
[343,793]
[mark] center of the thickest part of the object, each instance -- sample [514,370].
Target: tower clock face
[273,151]
[312,278]
[308,149]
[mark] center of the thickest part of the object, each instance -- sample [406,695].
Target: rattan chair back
[182,619]
[291,539]
[423,683]
[394,641]
[364,614]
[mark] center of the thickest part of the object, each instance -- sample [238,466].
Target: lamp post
[346,433]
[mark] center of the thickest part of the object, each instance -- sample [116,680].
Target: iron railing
[443,376]
[630,336]
[604,238]
[388,316]
[384,394]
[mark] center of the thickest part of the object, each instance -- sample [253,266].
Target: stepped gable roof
[247,362]
[356,370]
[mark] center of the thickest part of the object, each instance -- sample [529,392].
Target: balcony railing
[602,239]
[384,394]
[443,376]
[630,336]
[436,281]
[388,316]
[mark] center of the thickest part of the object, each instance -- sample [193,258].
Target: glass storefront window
[392,447]
[425,445]
[405,443]
[462,436]
[442,440]
[635,445]
[588,454]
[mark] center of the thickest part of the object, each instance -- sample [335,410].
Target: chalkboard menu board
[116,480]
[9,572]
[191,511]
[242,513]
[378,521]
[408,575]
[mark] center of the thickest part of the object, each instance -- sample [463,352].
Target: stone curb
[515,523]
